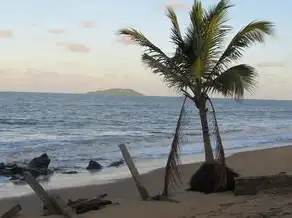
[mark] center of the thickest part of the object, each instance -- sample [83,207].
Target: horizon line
[144,95]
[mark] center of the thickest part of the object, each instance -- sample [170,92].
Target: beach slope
[251,163]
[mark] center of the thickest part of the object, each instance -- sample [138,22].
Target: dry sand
[251,163]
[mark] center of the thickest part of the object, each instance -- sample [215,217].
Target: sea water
[74,128]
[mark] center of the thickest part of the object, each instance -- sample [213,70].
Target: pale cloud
[271,64]
[6,33]
[87,24]
[176,4]
[75,47]
[40,81]
[57,31]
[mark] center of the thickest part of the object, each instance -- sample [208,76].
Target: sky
[72,46]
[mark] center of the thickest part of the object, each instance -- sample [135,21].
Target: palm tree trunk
[209,157]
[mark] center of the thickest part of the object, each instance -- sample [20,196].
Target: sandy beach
[250,163]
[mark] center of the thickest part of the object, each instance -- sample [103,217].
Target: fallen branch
[79,201]
[13,211]
[84,205]
[54,205]
[91,205]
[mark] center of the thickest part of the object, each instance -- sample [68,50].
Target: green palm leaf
[215,31]
[169,71]
[175,36]
[149,47]
[234,81]
[253,33]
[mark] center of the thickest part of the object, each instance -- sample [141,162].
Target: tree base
[207,179]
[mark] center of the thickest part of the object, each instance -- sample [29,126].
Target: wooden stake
[135,174]
[40,192]
[12,212]
[55,205]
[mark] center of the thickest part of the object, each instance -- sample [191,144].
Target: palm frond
[215,31]
[149,48]
[234,81]
[171,73]
[193,38]
[219,150]
[205,36]
[253,33]
[172,172]
[176,36]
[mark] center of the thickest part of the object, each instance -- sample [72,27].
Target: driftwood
[13,211]
[135,174]
[84,205]
[280,183]
[53,204]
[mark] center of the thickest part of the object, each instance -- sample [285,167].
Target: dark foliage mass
[206,178]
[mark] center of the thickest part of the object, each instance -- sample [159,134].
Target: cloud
[57,31]
[47,81]
[176,4]
[271,64]
[87,24]
[6,34]
[125,40]
[74,47]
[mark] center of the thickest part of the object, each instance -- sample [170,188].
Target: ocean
[74,128]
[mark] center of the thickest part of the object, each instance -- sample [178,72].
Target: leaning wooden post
[40,192]
[12,212]
[55,206]
[135,174]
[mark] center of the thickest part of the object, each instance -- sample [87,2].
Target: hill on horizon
[116,92]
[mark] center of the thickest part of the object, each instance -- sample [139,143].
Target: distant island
[117,92]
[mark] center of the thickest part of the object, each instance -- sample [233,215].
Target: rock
[93,165]
[13,169]
[42,162]
[2,166]
[10,166]
[117,163]
[206,179]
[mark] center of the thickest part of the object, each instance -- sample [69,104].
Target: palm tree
[200,64]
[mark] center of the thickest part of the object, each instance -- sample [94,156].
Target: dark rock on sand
[117,163]
[42,162]
[14,171]
[93,165]
[206,178]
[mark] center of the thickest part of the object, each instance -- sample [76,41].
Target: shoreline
[265,161]
[60,181]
